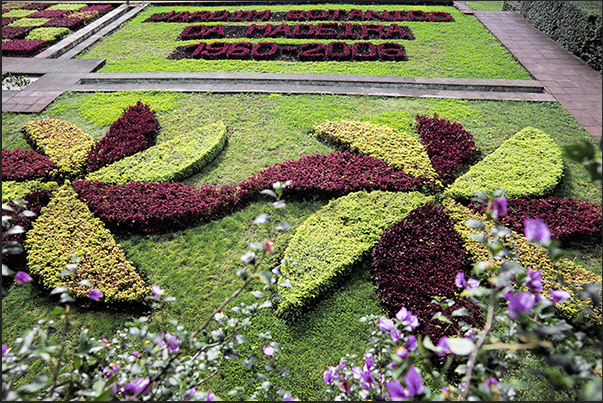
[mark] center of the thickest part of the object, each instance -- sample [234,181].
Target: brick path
[558,74]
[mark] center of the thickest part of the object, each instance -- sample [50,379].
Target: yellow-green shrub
[560,274]
[63,142]
[12,190]
[328,244]
[528,163]
[171,161]
[66,226]
[398,150]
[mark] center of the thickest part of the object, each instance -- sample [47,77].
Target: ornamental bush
[15,32]
[448,144]
[567,219]
[29,22]
[67,6]
[48,34]
[171,161]
[418,259]
[71,23]
[561,274]
[398,150]
[22,47]
[12,190]
[22,165]
[63,142]
[154,207]
[338,236]
[528,163]
[75,230]
[135,130]
[48,13]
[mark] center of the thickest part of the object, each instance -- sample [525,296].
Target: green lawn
[463,48]
[197,265]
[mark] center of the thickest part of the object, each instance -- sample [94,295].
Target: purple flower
[407,318]
[210,397]
[138,385]
[386,324]
[366,380]
[104,341]
[411,343]
[396,391]
[442,348]
[413,381]
[157,292]
[269,351]
[329,374]
[292,399]
[170,341]
[357,372]
[22,277]
[534,280]
[95,294]
[491,381]
[470,334]
[369,364]
[559,295]
[472,283]
[4,349]
[190,392]
[135,354]
[459,281]
[537,231]
[396,335]
[520,303]
[402,352]
[499,207]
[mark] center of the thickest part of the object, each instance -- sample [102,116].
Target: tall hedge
[66,226]
[528,163]
[338,236]
[574,25]
[398,150]
[560,274]
[171,161]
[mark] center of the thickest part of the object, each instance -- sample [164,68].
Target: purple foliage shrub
[22,47]
[48,14]
[71,23]
[134,131]
[448,144]
[567,219]
[15,32]
[21,165]
[416,259]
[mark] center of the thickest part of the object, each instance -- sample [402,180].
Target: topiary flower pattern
[399,200]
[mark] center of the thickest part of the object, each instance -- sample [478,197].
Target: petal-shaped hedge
[560,274]
[171,161]
[528,163]
[338,236]
[398,150]
[417,259]
[12,190]
[21,165]
[134,131]
[63,142]
[567,219]
[66,226]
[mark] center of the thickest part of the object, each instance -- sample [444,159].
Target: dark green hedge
[575,25]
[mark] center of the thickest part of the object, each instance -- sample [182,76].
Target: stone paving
[558,74]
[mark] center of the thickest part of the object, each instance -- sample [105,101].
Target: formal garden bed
[165,189]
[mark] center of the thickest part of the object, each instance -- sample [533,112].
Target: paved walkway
[558,74]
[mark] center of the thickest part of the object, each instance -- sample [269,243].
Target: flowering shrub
[417,260]
[20,165]
[22,47]
[146,207]
[63,142]
[566,218]
[102,264]
[562,274]
[528,163]
[134,131]
[398,150]
[329,243]
[448,144]
[173,160]
[15,32]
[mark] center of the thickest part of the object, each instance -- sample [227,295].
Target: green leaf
[36,384]
[460,312]
[476,224]
[460,346]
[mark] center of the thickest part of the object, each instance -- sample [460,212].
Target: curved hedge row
[448,144]
[528,163]
[398,150]
[560,274]
[567,219]
[134,131]
[171,161]
[66,226]
[418,258]
[22,165]
[147,207]
[12,190]
[63,142]
[338,236]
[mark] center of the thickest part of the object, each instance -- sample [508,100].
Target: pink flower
[21,277]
